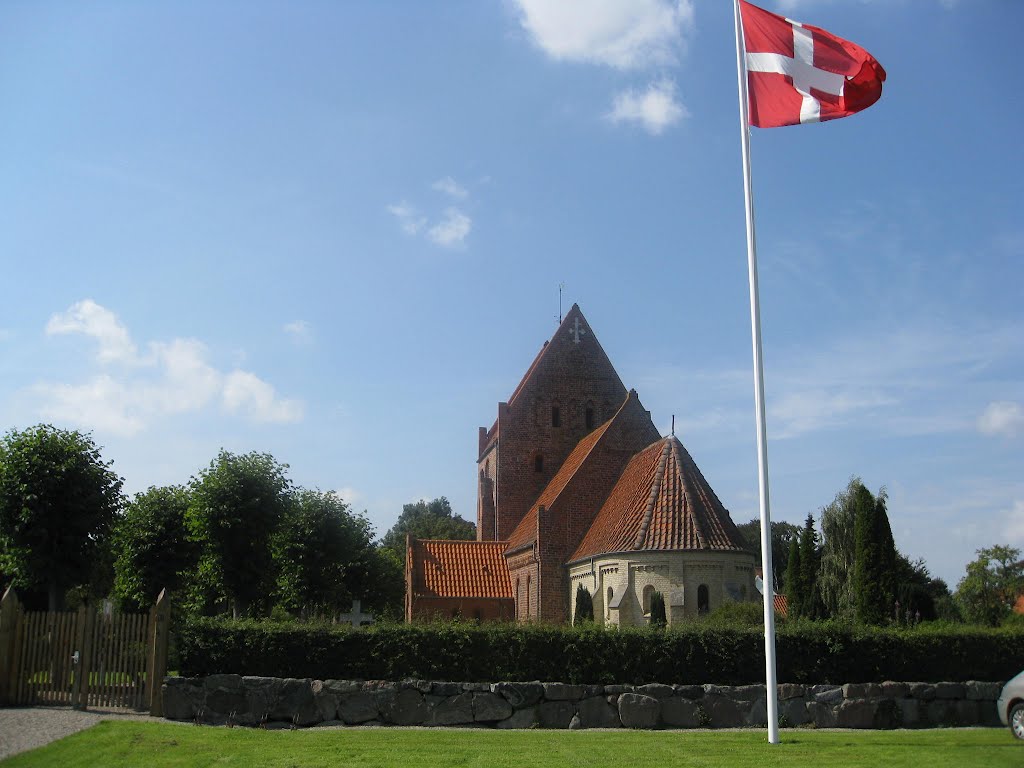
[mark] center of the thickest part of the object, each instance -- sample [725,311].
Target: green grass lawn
[113,744]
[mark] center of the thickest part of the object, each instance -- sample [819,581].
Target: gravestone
[356,617]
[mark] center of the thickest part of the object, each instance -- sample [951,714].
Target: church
[576,486]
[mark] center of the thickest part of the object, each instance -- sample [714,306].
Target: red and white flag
[797,73]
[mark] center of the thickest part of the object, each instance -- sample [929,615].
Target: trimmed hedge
[807,653]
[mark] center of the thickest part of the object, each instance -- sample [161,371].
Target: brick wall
[572,374]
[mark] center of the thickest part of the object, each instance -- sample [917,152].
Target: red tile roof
[781,605]
[661,502]
[460,568]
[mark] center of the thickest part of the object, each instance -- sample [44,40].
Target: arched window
[647,595]
[528,580]
[519,598]
[608,604]
[556,416]
[703,601]
[589,415]
[538,462]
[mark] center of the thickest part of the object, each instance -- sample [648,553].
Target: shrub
[730,614]
[808,652]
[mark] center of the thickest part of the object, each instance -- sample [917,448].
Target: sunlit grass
[113,744]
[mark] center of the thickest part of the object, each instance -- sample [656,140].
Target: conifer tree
[810,597]
[794,581]
[658,616]
[874,576]
[584,606]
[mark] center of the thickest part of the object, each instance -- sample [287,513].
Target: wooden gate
[88,658]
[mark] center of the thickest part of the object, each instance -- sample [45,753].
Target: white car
[1011,705]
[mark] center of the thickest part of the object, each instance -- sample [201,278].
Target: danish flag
[797,73]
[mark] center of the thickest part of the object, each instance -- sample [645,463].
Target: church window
[648,596]
[556,416]
[703,601]
[527,614]
[589,415]
[608,604]
[519,598]
[538,463]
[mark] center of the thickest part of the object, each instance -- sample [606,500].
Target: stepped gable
[459,569]
[661,502]
[623,434]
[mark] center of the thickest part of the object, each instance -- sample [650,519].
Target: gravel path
[25,728]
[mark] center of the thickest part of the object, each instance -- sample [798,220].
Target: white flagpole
[762,438]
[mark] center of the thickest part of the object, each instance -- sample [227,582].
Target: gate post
[8,621]
[80,688]
[156,669]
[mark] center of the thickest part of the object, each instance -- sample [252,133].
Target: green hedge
[807,653]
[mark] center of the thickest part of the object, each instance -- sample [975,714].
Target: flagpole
[771,687]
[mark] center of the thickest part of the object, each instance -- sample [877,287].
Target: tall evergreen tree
[659,618]
[584,606]
[810,557]
[874,558]
[794,580]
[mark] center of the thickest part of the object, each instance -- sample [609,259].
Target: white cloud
[347,494]
[904,382]
[810,410]
[101,403]
[1002,418]
[625,34]
[452,230]
[300,331]
[90,318]
[246,392]
[409,219]
[450,187]
[173,377]
[655,108]
[1015,524]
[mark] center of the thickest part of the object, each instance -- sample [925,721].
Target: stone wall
[278,703]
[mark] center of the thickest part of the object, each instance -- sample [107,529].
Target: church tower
[570,389]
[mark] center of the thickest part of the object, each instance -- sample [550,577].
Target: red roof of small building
[661,502]
[460,568]
[1018,607]
[781,605]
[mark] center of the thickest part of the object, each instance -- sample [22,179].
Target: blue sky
[335,232]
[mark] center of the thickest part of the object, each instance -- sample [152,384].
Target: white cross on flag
[797,73]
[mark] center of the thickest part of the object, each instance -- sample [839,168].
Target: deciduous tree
[992,584]
[783,534]
[237,504]
[324,555]
[58,501]
[427,520]
[152,548]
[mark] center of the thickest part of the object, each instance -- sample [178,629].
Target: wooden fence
[83,659]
